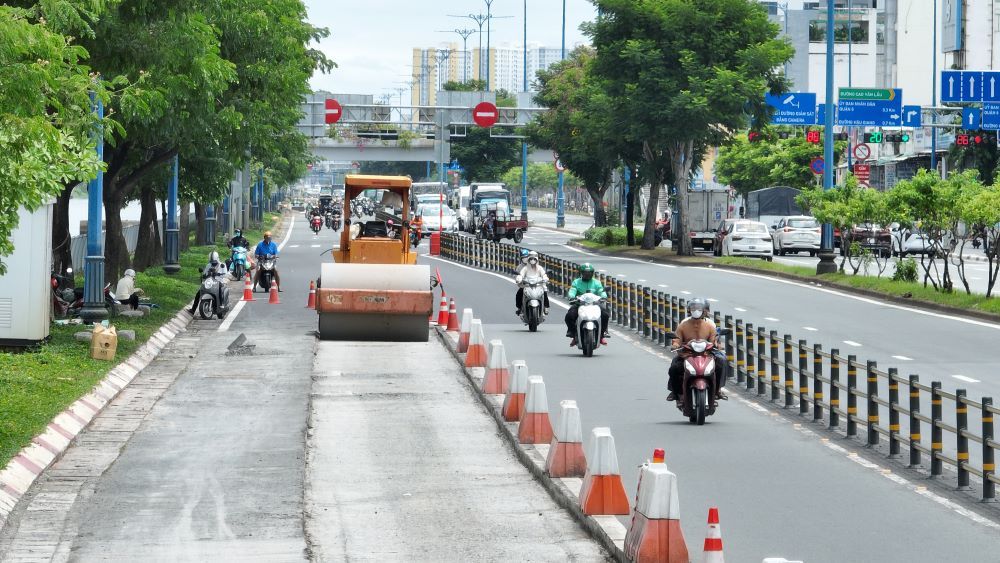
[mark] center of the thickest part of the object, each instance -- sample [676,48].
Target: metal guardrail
[795,373]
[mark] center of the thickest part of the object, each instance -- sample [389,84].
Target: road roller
[374,289]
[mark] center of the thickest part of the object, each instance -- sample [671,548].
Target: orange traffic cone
[535,427]
[311,303]
[655,533]
[273,298]
[476,355]
[713,541]
[465,331]
[247,289]
[566,457]
[497,377]
[602,492]
[443,311]
[513,403]
[452,317]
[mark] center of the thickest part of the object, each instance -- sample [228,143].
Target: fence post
[893,413]
[789,373]
[989,487]
[961,440]
[817,382]
[730,354]
[852,398]
[741,364]
[674,302]
[633,302]
[936,430]
[834,387]
[775,369]
[914,421]
[872,403]
[803,378]
[751,373]
[761,360]
[662,324]
[647,312]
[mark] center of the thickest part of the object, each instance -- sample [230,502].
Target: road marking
[640,281]
[313,246]
[566,246]
[740,309]
[663,285]
[710,300]
[603,271]
[771,319]
[294,246]
[686,292]
[810,329]
[965,379]
[852,343]
[620,275]
[507,279]
[228,322]
[903,358]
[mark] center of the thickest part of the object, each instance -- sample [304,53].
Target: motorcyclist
[532,269]
[721,362]
[586,284]
[697,326]
[214,269]
[264,248]
[237,240]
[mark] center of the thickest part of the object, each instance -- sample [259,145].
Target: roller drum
[382,302]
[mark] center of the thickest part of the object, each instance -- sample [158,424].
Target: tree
[981,211]
[771,161]
[577,125]
[542,177]
[46,121]
[681,75]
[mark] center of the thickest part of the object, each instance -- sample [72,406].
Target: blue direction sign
[971,118]
[970,86]
[991,117]
[991,86]
[821,115]
[911,116]
[870,107]
[951,86]
[793,108]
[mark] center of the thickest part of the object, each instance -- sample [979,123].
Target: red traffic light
[962,140]
[979,139]
[813,137]
[753,136]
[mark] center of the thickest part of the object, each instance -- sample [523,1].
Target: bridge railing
[823,386]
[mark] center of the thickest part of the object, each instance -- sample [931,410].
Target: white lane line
[810,329]
[574,249]
[620,275]
[639,281]
[965,379]
[228,322]
[740,309]
[663,285]
[852,343]
[603,271]
[313,246]
[964,320]
[686,292]
[772,319]
[903,358]
[294,246]
[711,300]
[507,279]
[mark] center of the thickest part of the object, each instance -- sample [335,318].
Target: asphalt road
[574,222]
[781,490]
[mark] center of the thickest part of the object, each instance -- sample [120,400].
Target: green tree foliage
[577,125]
[542,178]
[682,74]
[46,120]
[772,161]
[484,157]
[980,210]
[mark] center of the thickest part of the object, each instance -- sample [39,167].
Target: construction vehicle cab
[374,289]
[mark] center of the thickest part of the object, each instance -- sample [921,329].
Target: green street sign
[867,94]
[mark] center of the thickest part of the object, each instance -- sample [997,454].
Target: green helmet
[586,267]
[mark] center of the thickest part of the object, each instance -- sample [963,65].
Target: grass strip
[37,385]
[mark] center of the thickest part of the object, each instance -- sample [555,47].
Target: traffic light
[813,137]
[972,139]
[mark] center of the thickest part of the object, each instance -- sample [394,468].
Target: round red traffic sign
[862,151]
[485,114]
[817,165]
[332,111]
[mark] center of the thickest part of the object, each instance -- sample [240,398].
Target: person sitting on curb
[126,291]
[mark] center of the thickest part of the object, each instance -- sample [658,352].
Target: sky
[372,40]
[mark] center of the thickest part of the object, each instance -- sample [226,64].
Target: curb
[915,304]
[46,448]
[607,530]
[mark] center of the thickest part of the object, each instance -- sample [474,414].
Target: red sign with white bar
[863,172]
[333,111]
[485,114]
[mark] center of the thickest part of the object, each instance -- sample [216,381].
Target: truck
[769,205]
[706,209]
[493,199]
[458,199]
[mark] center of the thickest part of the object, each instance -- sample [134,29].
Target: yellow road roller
[374,289]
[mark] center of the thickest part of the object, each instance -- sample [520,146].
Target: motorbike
[415,235]
[266,276]
[213,299]
[588,323]
[64,296]
[238,262]
[532,303]
[328,219]
[697,397]
[336,220]
[316,224]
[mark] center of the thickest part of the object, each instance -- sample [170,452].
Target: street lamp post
[480,19]
[934,87]
[560,193]
[93,269]
[464,34]
[826,263]
[524,143]
[171,246]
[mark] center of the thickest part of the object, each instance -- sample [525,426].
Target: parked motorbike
[213,299]
[316,224]
[697,397]
[532,303]
[588,323]
[266,276]
[238,262]
[64,296]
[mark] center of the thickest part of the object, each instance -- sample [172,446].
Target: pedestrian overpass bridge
[417,150]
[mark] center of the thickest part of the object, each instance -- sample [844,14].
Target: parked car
[871,237]
[912,242]
[796,233]
[720,233]
[748,238]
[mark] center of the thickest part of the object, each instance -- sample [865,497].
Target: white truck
[706,209]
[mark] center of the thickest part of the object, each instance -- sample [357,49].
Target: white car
[913,242]
[797,233]
[748,238]
[433,216]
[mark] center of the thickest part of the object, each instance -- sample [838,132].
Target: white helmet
[130,273]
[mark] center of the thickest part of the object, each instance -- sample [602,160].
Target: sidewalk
[405,465]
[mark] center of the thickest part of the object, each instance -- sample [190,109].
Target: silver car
[748,238]
[797,233]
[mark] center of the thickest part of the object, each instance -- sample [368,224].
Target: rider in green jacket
[586,284]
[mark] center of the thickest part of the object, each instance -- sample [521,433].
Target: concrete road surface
[781,490]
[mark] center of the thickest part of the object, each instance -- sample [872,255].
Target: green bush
[906,270]
[610,236]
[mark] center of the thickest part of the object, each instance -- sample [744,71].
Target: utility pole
[93,269]
[826,263]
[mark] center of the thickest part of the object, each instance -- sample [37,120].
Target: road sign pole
[826,263]
[524,181]
[93,269]
[934,50]
[560,204]
[171,246]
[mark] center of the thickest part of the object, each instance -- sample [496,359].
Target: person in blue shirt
[264,248]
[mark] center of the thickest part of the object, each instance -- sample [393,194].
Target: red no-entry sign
[485,114]
[333,111]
